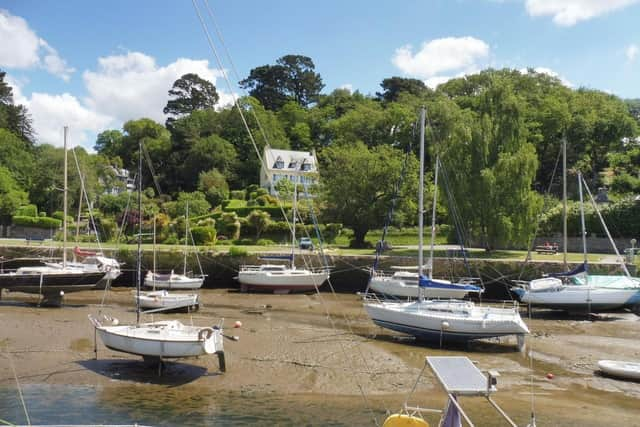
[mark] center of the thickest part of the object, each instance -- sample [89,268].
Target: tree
[15,118]
[214,186]
[293,77]
[11,196]
[359,185]
[196,200]
[110,143]
[17,156]
[190,93]
[212,152]
[392,87]
[259,220]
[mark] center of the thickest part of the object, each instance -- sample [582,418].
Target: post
[564,202]
[64,218]
[421,203]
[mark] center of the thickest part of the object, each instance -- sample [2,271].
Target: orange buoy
[238,324]
[404,420]
[550,376]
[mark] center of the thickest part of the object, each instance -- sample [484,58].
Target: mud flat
[310,348]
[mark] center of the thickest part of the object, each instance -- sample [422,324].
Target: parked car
[306,243]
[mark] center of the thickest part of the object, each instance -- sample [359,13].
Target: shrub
[235,251]
[27,210]
[37,222]
[265,242]
[203,235]
[237,195]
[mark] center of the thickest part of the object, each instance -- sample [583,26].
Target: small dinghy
[620,369]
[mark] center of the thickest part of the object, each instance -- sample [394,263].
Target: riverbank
[302,346]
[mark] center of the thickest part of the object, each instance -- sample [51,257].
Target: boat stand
[460,377]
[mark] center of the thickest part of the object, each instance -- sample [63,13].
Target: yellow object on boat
[404,420]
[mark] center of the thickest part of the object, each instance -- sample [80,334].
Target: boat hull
[433,320]
[166,300]
[285,281]
[405,289]
[578,298]
[50,283]
[170,339]
[176,281]
[620,369]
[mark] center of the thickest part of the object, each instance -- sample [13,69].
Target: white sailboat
[175,280]
[53,281]
[281,278]
[446,320]
[163,300]
[577,290]
[404,284]
[157,340]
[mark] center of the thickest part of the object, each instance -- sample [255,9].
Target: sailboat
[157,340]
[174,280]
[163,300]
[577,290]
[53,281]
[446,320]
[281,278]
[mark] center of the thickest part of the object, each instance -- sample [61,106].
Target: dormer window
[279,164]
[306,166]
[293,164]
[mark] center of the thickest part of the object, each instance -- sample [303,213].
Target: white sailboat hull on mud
[166,300]
[450,320]
[164,339]
[405,285]
[279,278]
[172,281]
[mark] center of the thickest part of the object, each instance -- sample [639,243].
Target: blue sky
[95,64]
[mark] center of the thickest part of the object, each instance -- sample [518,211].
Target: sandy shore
[322,347]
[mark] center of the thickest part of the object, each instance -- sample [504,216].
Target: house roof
[291,160]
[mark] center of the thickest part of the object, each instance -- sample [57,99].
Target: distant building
[122,181]
[297,166]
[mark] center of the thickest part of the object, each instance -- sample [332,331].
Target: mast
[64,217]
[154,252]
[186,238]
[433,217]
[421,204]
[295,214]
[564,202]
[139,258]
[584,230]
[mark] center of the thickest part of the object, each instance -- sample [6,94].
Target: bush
[27,210]
[235,251]
[274,211]
[60,215]
[38,222]
[237,195]
[265,242]
[203,235]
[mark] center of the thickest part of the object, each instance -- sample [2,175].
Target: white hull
[164,299]
[617,368]
[172,281]
[451,320]
[165,339]
[405,285]
[94,264]
[284,279]
[552,293]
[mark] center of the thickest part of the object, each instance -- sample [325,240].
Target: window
[306,166]
[279,164]
[293,164]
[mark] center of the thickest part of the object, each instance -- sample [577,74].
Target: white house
[123,177]
[296,166]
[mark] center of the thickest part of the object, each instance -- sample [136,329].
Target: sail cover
[579,269]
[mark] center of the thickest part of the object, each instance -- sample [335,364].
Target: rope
[15,376]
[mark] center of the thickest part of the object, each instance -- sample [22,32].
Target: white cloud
[631,52]
[347,86]
[21,48]
[132,85]
[450,54]
[550,72]
[569,12]
[433,82]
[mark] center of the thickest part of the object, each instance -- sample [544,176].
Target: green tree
[214,186]
[392,87]
[190,93]
[293,77]
[11,196]
[259,220]
[359,185]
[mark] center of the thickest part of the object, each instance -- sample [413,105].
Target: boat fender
[205,334]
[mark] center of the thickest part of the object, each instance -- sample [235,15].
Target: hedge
[274,211]
[203,235]
[38,222]
[27,210]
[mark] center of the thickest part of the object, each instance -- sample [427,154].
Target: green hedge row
[274,211]
[38,222]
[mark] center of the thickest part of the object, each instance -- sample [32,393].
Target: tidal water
[57,404]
